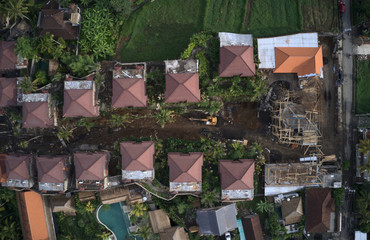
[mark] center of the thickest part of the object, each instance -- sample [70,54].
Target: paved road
[348,219]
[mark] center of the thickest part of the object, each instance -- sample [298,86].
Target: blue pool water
[115,219]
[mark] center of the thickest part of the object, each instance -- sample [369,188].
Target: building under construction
[288,177]
[292,123]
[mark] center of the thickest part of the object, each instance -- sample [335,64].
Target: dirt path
[247,15]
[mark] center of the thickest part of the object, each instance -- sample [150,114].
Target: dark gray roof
[217,221]
[364,122]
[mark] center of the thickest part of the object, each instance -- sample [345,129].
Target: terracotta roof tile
[90,166]
[319,205]
[33,216]
[129,92]
[182,87]
[236,175]
[185,167]
[51,169]
[8,92]
[36,114]
[137,156]
[300,60]
[236,61]
[17,166]
[80,103]
[8,57]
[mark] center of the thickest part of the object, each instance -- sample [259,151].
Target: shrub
[41,78]
[197,40]
[27,85]
[80,65]
[26,47]
[98,35]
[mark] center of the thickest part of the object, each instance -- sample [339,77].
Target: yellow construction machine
[208,120]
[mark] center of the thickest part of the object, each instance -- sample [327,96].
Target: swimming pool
[114,219]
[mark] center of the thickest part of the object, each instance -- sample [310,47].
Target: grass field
[320,15]
[161,29]
[225,15]
[271,17]
[363,87]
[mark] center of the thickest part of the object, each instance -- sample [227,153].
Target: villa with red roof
[137,160]
[236,179]
[236,55]
[8,92]
[91,169]
[182,81]
[9,60]
[53,173]
[185,171]
[129,86]
[37,111]
[298,53]
[19,171]
[80,98]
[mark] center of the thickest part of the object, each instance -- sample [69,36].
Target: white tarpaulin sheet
[266,46]
[233,39]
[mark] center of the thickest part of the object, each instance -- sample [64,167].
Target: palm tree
[164,116]
[259,89]
[27,85]
[119,120]
[138,209]
[237,151]
[16,9]
[364,146]
[46,44]
[209,198]
[145,231]
[264,206]
[65,133]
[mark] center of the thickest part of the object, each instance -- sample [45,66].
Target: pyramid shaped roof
[8,92]
[8,57]
[79,103]
[90,166]
[51,169]
[36,114]
[182,87]
[185,167]
[236,175]
[137,156]
[300,60]
[129,92]
[17,166]
[236,61]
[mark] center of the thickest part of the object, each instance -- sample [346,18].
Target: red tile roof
[2,168]
[319,205]
[182,87]
[80,103]
[300,60]
[51,169]
[185,167]
[90,166]
[52,22]
[129,92]
[236,175]
[17,166]
[8,92]
[36,114]
[236,61]
[137,156]
[33,216]
[8,58]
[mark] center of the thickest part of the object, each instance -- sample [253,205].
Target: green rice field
[363,87]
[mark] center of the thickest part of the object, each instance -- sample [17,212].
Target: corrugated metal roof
[233,39]
[266,46]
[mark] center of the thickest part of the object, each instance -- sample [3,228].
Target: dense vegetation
[10,227]
[362,207]
[362,86]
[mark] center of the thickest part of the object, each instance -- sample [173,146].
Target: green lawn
[272,18]
[363,87]
[225,15]
[320,15]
